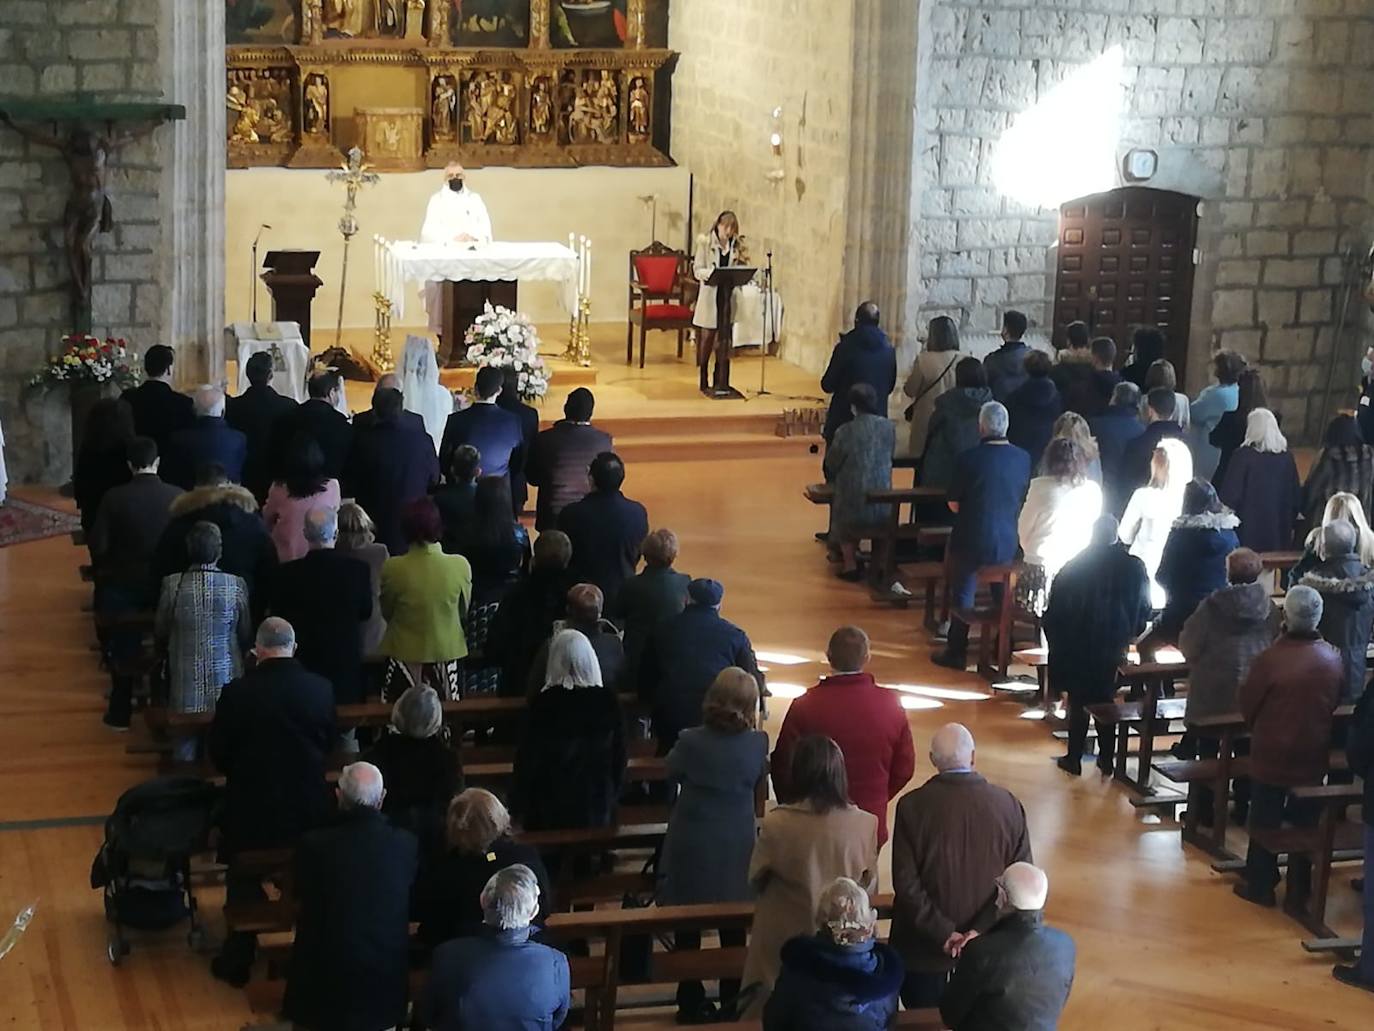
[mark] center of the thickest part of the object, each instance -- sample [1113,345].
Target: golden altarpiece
[419,83]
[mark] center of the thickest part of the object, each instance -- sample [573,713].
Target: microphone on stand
[253,272]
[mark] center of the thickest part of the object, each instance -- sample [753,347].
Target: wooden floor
[1162,943]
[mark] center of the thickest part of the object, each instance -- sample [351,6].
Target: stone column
[193,189]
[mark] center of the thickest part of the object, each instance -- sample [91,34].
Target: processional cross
[354,175]
[86,150]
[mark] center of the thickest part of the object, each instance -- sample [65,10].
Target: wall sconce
[776,174]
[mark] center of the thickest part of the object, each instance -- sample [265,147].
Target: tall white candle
[589,269]
[581,267]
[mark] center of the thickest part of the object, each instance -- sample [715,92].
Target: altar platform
[655,413]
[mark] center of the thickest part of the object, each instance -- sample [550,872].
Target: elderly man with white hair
[1019,974]
[951,839]
[985,495]
[272,733]
[1287,700]
[209,440]
[350,963]
[498,980]
[841,978]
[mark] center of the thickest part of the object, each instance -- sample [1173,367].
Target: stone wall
[740,59]
[1262,108]
[110,48]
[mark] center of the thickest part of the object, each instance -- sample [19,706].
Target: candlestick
[589,269]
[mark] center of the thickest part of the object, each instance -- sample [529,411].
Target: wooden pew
[1217,774]
[926,1020]
[993,620]
[1150,718]
[1332,834]
[895,530]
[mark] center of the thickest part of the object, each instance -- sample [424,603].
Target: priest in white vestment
[456,216]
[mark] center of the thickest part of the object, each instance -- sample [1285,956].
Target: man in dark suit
[1019,973]
[1136,456]
[207,441]
[606,529]
[391,465]
[863,355]
[1006,366]
[350,963]
[985,496]
[128,524]
[561,455]
[254,413]
[683,656]
[159,411]
[326,596]
[488,427]
[509,399]
[368,419]
[319,418]
[271,736]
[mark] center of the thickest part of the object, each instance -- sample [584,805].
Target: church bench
[895,529]
[1332,834]
[1217,774]
[1279,563]
[1150,718]
[926,1020]
[993,620]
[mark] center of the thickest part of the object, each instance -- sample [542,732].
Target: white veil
[424,394]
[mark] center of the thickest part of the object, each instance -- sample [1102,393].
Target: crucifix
[86,143]
[354,175]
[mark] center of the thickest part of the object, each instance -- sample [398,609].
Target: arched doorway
[1125,260]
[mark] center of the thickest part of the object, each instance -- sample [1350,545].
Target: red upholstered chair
[662,295]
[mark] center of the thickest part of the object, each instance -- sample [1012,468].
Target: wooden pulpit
[726,280]
[291,280]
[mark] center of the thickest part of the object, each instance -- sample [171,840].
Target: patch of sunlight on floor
[782,689]
[912,702]
[952,694]
[781,658]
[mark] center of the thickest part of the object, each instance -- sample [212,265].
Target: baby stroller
[144,866]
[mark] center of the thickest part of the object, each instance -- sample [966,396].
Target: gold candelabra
[381,335]
[579,336]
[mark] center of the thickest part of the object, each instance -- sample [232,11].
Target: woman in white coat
[1056,520]
[1151,512]
[424,394]
[716,249]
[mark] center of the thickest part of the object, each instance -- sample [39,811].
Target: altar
[404,264]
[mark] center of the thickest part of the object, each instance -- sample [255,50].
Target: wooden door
[1126,260]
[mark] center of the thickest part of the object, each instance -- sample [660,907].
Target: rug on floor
[22,521]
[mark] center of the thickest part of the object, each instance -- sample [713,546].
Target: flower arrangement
[505,338]
[87,359]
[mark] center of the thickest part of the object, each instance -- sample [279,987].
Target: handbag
[910,409]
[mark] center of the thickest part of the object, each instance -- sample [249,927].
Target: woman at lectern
[716,249]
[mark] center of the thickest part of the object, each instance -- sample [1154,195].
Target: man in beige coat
[951,840]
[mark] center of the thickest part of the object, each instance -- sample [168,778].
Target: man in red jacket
[865,720]
[1287,701]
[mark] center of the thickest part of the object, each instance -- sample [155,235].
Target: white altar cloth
[421,263]
[284,338]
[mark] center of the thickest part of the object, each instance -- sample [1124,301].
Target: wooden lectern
[726,280]
[460,304]
[291,280]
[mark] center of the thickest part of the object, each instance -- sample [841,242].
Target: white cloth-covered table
[407,262]
[291,358]
[750,330]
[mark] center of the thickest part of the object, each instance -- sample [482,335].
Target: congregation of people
[1138,517]
[301,560]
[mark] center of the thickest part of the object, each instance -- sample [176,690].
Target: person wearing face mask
[456,216]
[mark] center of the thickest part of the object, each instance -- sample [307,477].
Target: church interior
[237,176]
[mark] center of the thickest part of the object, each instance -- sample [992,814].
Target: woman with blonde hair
[710,838]
[1341,506]
[1056,520]
[448,894]
[841,976]
[1261,485]
[717,249]
[358,537]
[1072,426]
[1151,512]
